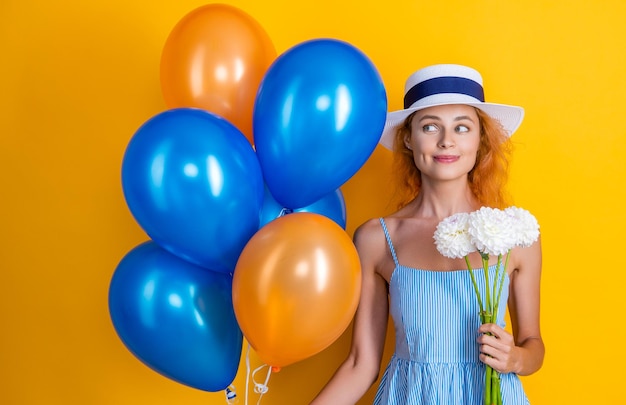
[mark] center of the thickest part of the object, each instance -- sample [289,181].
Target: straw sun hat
[448,84]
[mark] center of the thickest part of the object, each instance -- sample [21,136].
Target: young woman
[450,149]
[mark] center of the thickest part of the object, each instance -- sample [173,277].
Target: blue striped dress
[435,314]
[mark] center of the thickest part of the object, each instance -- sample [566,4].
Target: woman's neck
[444,199]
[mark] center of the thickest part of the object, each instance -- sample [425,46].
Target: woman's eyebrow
[463,117]
[429,117]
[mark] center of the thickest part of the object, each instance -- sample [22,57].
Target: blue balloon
[176,317]
[332,206]
[318,116]
[193,182]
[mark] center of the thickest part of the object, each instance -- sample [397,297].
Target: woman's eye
[429,128]
[462,129]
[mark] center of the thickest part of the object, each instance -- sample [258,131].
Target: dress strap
[393,251]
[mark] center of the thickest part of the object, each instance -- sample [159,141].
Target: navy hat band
[439,85]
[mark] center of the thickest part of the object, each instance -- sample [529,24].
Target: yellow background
[78,78]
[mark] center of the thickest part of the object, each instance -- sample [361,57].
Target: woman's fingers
[495,346]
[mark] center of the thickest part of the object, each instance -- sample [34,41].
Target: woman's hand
[497,348]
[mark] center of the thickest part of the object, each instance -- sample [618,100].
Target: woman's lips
[446,158]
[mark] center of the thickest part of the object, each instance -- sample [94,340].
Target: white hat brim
[510,117]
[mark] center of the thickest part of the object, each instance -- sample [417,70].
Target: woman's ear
[407,131]
[407,142]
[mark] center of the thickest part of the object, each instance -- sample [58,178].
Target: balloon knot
[260,388]
[231,395]
[285,211]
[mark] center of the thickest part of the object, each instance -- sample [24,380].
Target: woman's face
[445,140]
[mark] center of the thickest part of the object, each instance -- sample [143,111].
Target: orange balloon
[215,59]
[296,287]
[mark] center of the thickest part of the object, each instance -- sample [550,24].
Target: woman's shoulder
[374,227]
[369,238]
[368,229]
[370,242]
[526,258]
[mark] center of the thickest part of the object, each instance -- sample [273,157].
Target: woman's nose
[446,140]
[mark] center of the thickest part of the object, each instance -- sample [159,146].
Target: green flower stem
[499,391]
[488,372]
[471,272]
[488,306]
[495,389]
[506,263]
[487,317]
[494,294]
[496,398]
[488,314]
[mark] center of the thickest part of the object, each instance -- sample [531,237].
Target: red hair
[487,179]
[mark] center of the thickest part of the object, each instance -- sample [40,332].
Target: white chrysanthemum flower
[527,227]
[492,231]
[451,236]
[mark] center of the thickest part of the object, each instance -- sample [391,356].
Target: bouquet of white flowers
[488,231]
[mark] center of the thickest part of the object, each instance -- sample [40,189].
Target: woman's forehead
[448,110]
